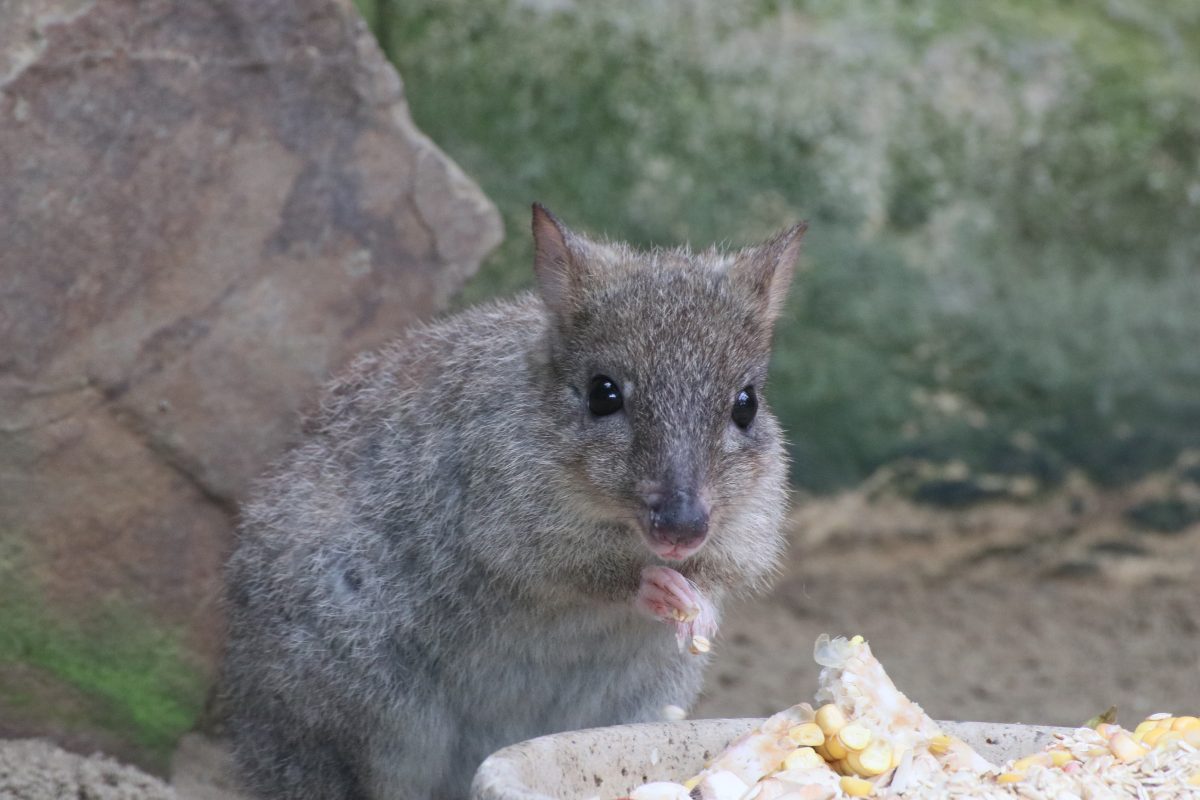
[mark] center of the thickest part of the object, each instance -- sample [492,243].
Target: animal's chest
[573,671]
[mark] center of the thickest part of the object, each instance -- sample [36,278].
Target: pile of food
[866,739]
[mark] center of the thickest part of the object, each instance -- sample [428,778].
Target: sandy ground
[1042,612]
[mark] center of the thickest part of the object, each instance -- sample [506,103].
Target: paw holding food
[668,596]
[865,738]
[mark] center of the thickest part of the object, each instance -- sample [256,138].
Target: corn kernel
[804,758]
[1194,780]
[1106,729]
[691,783]
[831,719]
[1010,777]
[940,744]
[1185,724]
[1167,739]
[1061,758]
[1166,722]
[1023,764]
[875,760]
[856,787]
[1150,738]
[673,713]
[854,736]
[1192,737]
[807,734]
[700,644]
[688,615]
[1125,748]
[837,751]
[1143,727]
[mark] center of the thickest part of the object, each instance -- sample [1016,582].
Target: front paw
[665,595]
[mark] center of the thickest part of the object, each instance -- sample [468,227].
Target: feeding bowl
[609,762]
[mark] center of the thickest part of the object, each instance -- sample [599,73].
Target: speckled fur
[447,564]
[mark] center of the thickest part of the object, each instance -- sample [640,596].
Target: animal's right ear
[557,269]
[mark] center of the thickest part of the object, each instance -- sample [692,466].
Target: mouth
[674,551]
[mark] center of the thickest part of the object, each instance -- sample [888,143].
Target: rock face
[205,208]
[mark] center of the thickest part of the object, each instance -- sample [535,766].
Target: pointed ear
[766,270]
[557,271]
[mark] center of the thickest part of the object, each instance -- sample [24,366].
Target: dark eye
[604,396]
[745,407]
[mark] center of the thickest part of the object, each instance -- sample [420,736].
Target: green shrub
[1004,200]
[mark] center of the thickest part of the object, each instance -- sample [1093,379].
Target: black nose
[677,518]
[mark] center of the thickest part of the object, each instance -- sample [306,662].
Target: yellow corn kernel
[1023,764]
[837,751]
[1010,777]
[875,760]
[808,734]
[1125,748]
[1194,780]
[1106,729]
[823,752]
[1192,737]
[804,758]
[1165,723]
[1185,723]
[856,787]
[940,744]
[854,736]
[844,767]
[1150,738]
[1060,758]
[1143,727]
[691,783]
[700,644]
[831,719]
[681,615]
[1167,739]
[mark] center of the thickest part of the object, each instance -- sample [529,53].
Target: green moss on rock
[123,675]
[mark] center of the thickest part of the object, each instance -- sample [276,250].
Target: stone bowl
[609,762]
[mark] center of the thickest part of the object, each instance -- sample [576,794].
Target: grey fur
[447,564]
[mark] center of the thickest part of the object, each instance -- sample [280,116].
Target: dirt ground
[1046,611]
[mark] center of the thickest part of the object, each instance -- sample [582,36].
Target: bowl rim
[501,776]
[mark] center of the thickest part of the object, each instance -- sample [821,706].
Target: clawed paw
[666,595]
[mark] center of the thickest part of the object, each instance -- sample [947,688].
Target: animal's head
[659,367]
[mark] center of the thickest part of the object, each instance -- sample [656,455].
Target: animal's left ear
[766,271]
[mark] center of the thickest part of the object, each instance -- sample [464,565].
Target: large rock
[205,208]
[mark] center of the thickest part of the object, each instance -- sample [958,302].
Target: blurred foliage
[1004,259]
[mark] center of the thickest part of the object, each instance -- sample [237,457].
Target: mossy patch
[133,675]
